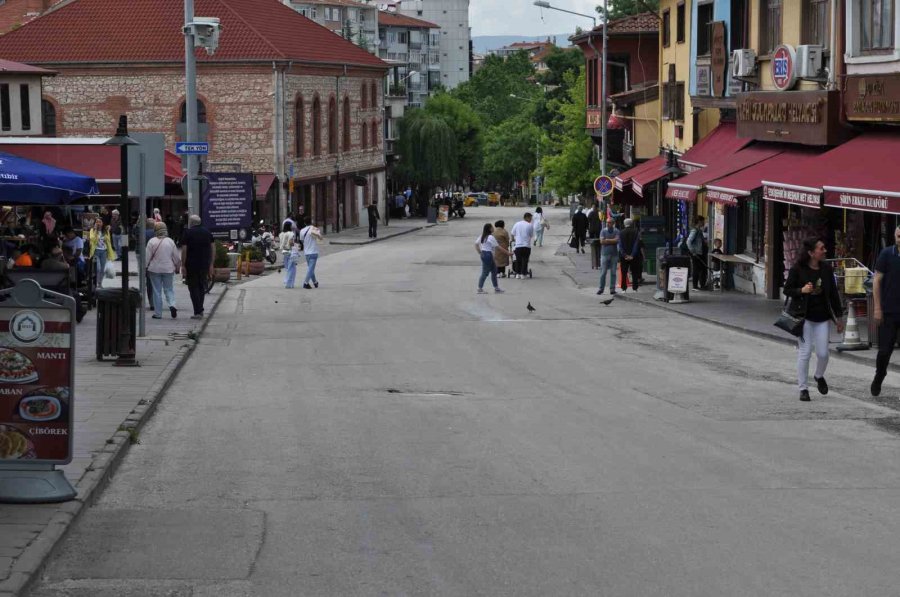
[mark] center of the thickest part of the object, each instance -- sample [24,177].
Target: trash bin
[432,215]
[669,262]
[109,321]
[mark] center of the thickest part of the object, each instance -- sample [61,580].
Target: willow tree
[429,156]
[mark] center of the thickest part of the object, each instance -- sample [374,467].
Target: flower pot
[221,274]
[257,268]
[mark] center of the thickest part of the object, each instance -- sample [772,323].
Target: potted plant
[256,267]
[221,268]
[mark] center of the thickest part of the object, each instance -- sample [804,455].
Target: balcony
[397,91]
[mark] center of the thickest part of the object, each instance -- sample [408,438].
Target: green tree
[488,91]
[466,126]
[510,152]
[570,167]
[428,152]
[624,8]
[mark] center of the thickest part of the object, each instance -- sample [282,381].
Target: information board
[227,203]
[36,383]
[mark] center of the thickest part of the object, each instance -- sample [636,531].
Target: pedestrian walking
[696,244]
[501,253]
[372,208]
[310,235]
[163,260]
[813,292]
[115,231]
[291,260]
[594,219]
[540,224]
[522,233]
[157,216]
[485,245]
[886,292]
[630,255]
[100,249]
[197,250]
[609,255]
[579,229]
[285,240]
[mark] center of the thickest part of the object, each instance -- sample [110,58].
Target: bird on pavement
[530,308]
[608,302]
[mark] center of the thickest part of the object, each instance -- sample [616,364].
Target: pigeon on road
[608,302]
[530,308]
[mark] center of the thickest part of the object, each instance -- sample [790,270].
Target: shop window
[770,26]
[704,30]
[299,129]
[679,23]
[317,126]
[332,126]
[666,32]
[48,117]
[876,25]
[751,223]
[816,22]
[346,129]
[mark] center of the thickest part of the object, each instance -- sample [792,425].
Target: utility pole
[190,81]
[603,95]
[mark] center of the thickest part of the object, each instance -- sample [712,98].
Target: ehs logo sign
[784,74]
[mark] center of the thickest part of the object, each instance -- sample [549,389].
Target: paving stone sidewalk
[748,313]
[111,403]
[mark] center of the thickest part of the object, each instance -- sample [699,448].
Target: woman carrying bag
[101,249]
[501,253]
[163,260]
[813,292]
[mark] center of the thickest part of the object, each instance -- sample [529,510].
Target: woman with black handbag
[813,292]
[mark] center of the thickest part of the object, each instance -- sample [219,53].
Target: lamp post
[122,140]
[547,5]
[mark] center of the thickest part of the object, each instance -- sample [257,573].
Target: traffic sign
[184,148]
[603,186]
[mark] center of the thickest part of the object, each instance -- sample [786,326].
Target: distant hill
[483,43]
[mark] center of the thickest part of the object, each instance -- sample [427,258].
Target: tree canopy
[428,148]
[570,167]
[624,8]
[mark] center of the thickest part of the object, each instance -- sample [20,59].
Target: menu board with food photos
[36,375]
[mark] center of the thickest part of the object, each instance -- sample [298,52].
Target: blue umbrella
[27,182]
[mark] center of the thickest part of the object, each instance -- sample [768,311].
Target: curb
[369,241]
[847,356]
[30,563]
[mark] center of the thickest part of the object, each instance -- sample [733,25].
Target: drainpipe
[832,78]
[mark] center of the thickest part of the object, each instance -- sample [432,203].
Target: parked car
[493,198]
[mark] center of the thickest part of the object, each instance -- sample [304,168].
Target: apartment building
[355,21]
[452,16]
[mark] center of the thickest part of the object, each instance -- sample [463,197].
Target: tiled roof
[646,22]
[352,3]
[10,67]
[393,19]
[128,31]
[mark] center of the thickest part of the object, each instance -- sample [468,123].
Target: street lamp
[547,5]
[122,140]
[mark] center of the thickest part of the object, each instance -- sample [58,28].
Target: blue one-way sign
[199,148]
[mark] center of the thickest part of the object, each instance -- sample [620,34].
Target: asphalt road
[393,433]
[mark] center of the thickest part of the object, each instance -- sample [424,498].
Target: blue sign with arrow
[196,148]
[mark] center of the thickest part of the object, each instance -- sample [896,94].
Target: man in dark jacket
[197,252]
[630,255]
[886,293]
[372,208]
[579,229]
[594,221]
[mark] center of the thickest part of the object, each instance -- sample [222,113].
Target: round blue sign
[603,186]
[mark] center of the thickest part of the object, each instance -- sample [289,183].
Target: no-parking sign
[603,186]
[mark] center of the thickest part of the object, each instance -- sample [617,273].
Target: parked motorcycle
[266,244]
[457,209]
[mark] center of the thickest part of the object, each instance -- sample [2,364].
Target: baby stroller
[515,266]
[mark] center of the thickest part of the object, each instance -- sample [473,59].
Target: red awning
[720,143]
[626,197]
[728,189]
[687,187]
[172,167]
[648,176]
[625,177]
[99,161]
[862,174]
[264,181]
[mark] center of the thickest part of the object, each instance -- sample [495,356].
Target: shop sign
[805,117]
[863,201]
[678,279]
[719,58]
[873,98]
[703,76]
[36,375]
[680,193]
[796,197]
[721,197]
[227,204]
[594,118]
[784,67]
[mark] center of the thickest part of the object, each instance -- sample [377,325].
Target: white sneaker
[480,291]
[518,276]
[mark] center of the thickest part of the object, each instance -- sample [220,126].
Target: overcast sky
[521,17]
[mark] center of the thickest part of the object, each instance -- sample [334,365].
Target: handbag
[573,242]
[790,322]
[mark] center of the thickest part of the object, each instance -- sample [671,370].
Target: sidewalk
[360,234]
[110,406]
[751,314]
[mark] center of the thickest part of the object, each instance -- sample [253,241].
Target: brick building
[15,13]
[281,94]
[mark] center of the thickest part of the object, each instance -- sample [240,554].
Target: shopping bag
[109,270]
[573,242]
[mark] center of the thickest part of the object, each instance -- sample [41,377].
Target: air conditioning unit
[809,61]
[743,63]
